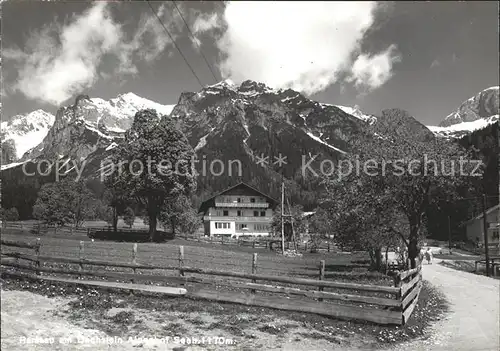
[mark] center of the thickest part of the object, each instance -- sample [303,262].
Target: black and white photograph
[250,175]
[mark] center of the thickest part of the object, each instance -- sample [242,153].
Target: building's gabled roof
[488,211]
[205,205]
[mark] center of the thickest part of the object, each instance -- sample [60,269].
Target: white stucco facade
[240,210]
[475,231]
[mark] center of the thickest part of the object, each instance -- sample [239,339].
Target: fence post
[328,246]
[37,253]
[397,280]
[134,259]
[321,275]
[397,284]
[80,254]
[181,262]
[254,269]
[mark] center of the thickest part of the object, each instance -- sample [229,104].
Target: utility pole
[485,233]
[282,219]
[449,233]
[291,223]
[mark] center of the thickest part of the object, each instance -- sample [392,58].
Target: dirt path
[32,322]
[473,322]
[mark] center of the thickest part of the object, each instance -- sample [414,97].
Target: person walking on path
[428,255]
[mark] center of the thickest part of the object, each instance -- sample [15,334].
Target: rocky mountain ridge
[222,122]
[93,123]
[475,113]
[25,131]
[82,128]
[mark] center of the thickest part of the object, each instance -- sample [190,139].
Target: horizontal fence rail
[365,302]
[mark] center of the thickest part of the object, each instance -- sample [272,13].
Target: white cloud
[150,39]
[200,23]
[206,22]
[372,71]
[300,45]
[61,61]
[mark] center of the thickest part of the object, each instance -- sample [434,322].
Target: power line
[175,44]
[194,39]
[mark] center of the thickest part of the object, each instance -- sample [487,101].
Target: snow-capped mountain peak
[116,114]
[134,102]
[356,112]
[27,130]
[482,105]
[475,113]
[37,131]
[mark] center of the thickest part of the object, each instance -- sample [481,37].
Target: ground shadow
[135,236]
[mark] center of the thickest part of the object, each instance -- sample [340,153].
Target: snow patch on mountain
[131,103]
[201,143]
[98,132]
[318,139]
[27,131]
[117,114]
[356,112]
[464,128]
[11,165]
[111,146]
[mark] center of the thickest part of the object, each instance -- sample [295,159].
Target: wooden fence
[493,248]
[365,302]
[494,265]
[42,229]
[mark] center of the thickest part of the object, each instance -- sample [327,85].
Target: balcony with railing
[242,204]
[256,219]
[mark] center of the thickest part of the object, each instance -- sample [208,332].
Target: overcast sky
[425,57]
